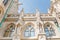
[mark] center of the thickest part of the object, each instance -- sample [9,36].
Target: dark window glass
[49,31]
[5,2]
[10,31]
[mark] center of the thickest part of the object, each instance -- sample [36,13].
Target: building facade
[29,26]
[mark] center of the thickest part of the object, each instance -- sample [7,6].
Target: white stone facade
[35,26]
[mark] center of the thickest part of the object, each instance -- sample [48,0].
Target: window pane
[29,32]
[26,34]
[46,30]
[32,34]
[49,31]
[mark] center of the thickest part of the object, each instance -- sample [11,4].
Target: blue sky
[30,5]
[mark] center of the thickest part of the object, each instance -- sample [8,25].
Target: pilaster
[17,33]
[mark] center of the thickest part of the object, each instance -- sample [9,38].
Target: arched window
[29,32]
[10,31]
[49,31]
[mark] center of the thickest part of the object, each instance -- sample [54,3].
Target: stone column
[14,36]
[43,27]
[41,36]
[40,29]
[17,33]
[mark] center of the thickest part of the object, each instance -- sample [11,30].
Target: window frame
[30,30]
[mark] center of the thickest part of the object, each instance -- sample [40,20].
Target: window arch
[49,31]
[29,32]
[9,31]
